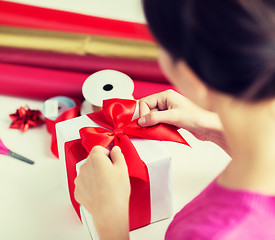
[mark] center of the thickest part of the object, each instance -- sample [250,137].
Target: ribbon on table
[118,127]
[50,124]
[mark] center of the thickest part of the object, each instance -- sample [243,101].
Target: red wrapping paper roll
[41,83]
[136,69]
[21,15]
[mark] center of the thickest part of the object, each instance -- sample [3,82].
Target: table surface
[33,201]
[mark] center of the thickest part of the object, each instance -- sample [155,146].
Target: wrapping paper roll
[21,15]
[76,43]
[134,68]
[43,83]
[39,83]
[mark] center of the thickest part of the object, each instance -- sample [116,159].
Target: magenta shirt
[219,213]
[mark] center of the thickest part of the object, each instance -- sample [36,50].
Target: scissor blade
[19,157]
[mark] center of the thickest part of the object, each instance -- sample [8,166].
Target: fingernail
[117,148]
[142,121]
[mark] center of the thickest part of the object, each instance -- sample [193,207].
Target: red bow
[117,116]
[24,118]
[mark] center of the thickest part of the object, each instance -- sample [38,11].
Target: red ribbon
[68,114]
[116,118]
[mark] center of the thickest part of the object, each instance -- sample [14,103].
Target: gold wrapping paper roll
[76,43]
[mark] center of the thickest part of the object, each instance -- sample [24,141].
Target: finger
[97,154]
[153,101]
[155,117]
[143,108]
[99,149]
[77,190]
[117,156]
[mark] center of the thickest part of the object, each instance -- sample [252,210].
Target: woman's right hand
[173,108]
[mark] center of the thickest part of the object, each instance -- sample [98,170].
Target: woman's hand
[172,108]
[103,188]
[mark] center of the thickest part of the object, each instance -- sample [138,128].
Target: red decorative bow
[116,118]
[24,118]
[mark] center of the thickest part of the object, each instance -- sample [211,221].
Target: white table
[33,203]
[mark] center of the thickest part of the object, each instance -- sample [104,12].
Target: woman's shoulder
[218,212]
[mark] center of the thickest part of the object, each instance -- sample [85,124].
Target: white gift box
[153,153]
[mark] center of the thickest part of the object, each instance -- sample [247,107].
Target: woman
[221,56]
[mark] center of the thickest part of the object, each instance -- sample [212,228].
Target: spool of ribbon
[58,109]
[103,85]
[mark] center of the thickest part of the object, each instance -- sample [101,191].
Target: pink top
[219,213]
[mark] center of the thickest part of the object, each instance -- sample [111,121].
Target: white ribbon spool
[105,84]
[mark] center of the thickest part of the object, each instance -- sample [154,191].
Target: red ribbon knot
[118,131]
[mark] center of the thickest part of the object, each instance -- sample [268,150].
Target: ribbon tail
[70,113]
[74,152]
[136,167]
[140,198]
[160,132]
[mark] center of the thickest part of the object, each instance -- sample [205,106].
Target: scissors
[6,151]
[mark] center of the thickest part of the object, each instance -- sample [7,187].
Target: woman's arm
[103,188]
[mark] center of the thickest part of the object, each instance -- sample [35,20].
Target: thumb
[117,156]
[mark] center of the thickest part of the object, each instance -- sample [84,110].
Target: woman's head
[229,44]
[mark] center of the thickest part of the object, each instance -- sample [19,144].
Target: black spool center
[108,87]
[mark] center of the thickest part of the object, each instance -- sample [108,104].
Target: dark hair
[229,44]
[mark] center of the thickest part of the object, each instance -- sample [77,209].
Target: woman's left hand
[103,188]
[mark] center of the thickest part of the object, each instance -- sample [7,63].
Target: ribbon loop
[118,112]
